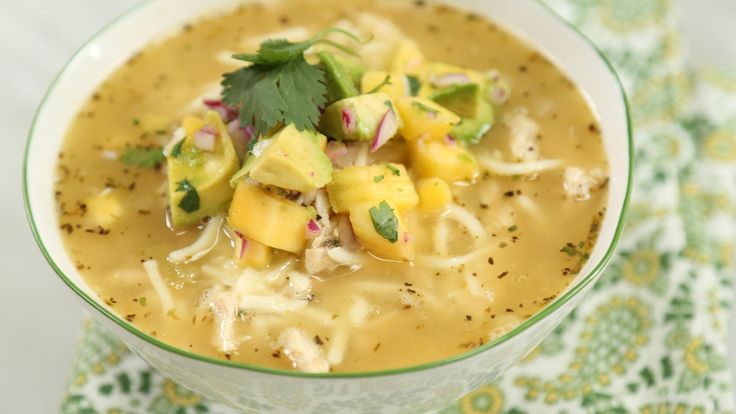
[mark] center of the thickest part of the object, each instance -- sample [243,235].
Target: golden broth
[418,313]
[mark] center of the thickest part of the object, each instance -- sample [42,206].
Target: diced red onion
[348,121]
[450,140]
[336,149]
[313,229]
[204,140]
[386,130]
[449,79]
[243,244]
[408,237]
[226,112]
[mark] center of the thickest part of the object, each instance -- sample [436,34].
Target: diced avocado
[353,67]
[472,130]
[467,100]
[372,184]
[198,180]
[356,118]
[338,80]
[293,160]
[268,218]
[462,99]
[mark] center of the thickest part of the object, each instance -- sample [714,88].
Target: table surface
[38,314]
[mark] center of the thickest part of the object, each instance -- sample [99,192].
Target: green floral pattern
[651,337]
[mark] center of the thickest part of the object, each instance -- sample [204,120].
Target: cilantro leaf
[384,82]
[143,157]
[176,150]
[377,178]
[190,201]
[280,87]
[385,221]
[414,85]
[395,171]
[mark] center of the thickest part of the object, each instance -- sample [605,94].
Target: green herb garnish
[143,157]
[142,300]
[425,108]
[395,171]
[386,81]
[385,221]
[414,85]
[190,201]
[570,250]
[513,228]
[377,178]
[280,87]
[176,150]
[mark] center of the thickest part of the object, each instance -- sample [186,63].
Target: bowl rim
[528,323]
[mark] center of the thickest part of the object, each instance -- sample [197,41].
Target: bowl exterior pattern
[412,392]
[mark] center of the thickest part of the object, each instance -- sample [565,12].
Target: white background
[39,316]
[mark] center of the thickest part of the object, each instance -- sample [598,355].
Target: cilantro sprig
[280,86]
[385,222]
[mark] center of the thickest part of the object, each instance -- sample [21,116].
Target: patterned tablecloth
[651,338]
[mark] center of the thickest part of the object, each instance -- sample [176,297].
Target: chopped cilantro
[570,250]
[377,178]
[143,157]
[425,108]
[385,221]
[136,121]
[176,150]
[384,82]
[190,201]
[414,85]
[395,171]
[513,228]
[142,300]
[280,86]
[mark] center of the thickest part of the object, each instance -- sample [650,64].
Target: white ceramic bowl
[411,389]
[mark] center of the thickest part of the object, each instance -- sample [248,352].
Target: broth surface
[537,236]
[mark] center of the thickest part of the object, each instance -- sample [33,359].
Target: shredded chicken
[317,260]
[300,285]
[304,354]
[384,37]
[167,302]
[578,183]
[524,143]
[204,243]
[224,306]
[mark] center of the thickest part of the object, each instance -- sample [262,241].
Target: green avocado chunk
[356,118]
[467,100]
[198,180]
[338,80]
[291,159]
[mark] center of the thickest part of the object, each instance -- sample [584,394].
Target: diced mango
[424,118]
[192,124]
[394,85]
[105,208]
[365,231]
[268,218]
[408,59]
[253,254]
[434,194]
[371,185]
[448,161]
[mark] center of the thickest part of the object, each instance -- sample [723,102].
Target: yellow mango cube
[423,118]
[374,242]
[449,161]
[268,218]
[376,81]
[370,185]
[192,124]
[408,59]
[252,254]
[105,208]
[434,194]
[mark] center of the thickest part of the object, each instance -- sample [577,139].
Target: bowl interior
[151,20]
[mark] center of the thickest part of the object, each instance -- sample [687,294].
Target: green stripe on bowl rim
[539,316]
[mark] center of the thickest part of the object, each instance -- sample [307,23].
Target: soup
[402,188]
